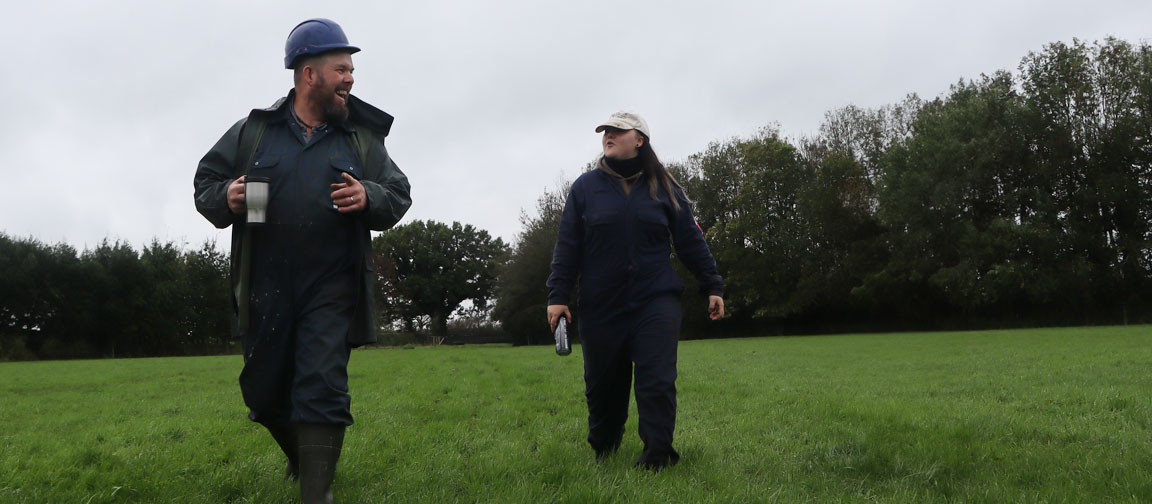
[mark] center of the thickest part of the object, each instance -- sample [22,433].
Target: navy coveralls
[619,245]
[304,279]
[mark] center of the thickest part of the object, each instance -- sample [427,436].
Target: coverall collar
[627,183]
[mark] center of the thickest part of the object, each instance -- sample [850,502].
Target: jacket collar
[360,113]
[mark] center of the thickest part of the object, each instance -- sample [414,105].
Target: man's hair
[313,60]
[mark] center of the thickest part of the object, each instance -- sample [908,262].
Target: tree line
[112,301]
[1015,199]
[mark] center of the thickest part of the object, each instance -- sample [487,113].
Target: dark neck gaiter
[625,167]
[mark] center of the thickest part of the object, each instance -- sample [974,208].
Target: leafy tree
[748,193]
[205,324]
[521,293]
[430,268]
[938,195]
[35,276]
[109,298]
[1023,201]
[842,243]
[164,310]
[1090,114]
[863,135]
[792,230]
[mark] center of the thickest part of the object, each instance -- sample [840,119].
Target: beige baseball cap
[626,120]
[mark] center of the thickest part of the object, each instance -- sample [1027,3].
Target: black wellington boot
[606,450]
[319,449]
[655,460]
[285,435]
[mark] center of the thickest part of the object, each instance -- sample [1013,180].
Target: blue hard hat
[315,36]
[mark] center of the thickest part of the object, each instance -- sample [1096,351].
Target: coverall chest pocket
[601,219]
[653,218]
[602,225]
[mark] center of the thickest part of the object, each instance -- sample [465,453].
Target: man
[302,281]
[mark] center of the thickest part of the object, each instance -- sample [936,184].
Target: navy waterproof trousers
[645,337]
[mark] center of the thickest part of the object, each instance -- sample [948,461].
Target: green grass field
[1049,415]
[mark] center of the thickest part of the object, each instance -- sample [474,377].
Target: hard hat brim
[318,50]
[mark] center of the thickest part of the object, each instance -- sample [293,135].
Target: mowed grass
[1047,415]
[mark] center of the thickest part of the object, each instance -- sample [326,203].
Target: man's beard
[331,109]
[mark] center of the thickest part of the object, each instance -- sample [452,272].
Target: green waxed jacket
[386,186]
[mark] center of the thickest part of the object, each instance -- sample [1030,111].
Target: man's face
[333,84]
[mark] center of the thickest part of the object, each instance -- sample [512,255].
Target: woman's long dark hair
[658,176]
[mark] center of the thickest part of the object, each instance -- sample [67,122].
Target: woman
[619,224]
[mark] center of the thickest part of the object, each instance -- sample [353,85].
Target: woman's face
[621,144]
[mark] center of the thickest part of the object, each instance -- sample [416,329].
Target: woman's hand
[715,307]
[554,313]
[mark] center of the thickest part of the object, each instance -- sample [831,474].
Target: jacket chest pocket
[264,167]
[340,166]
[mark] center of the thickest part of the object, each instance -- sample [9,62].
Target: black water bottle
[562,345]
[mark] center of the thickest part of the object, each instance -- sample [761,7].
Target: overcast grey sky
[109,105]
